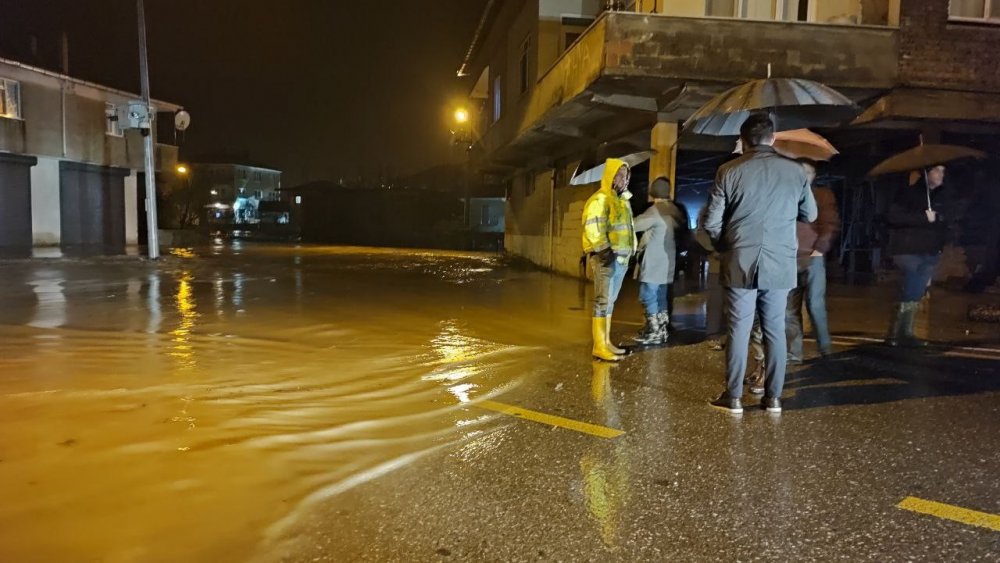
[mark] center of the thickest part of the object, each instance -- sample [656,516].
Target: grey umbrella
[590,172]
[795,103]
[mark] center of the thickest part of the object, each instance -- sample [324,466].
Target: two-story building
[68,172]
[551,80]
[235,192]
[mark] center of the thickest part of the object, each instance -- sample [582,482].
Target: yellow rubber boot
[600,333]
[607,335]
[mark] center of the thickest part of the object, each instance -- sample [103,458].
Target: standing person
[751,217]
[657,262]
[609,242]
[815,241]
[917,235]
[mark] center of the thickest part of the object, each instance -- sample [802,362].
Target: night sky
[321,89]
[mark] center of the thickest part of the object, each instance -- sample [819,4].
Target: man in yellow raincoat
[608,241]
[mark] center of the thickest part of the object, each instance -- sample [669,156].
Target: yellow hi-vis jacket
[607,218]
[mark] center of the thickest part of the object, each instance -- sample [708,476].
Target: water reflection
[182,348]
[605,467]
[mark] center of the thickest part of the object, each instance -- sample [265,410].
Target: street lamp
[181,169]
[461,116]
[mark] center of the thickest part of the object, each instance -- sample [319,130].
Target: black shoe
[771,404]
[724,403]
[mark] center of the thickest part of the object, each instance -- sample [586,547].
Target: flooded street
[270,403]
[215,398]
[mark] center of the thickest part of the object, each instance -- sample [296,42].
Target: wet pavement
[267,403]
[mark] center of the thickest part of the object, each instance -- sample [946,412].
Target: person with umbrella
[918,232]
[608,242]
[752,210]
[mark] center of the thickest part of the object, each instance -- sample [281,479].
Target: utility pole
[153,238]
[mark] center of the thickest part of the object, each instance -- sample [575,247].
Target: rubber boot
[908,318]
[650,333]
[896,326]
[599,328]
[664,326]
[607,337]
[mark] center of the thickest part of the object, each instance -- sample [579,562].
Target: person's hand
[816,254]
[607,256]
[932,215]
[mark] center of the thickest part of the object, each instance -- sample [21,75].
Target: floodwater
[196,409]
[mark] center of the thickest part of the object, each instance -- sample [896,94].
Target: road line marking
[552,420]
[949,512]
[851,341]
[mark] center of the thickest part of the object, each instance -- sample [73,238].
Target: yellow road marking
[949,512]
[552,420]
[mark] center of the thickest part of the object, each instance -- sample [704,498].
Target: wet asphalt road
[283,404]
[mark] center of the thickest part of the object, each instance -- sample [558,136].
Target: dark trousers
[770,304]
[918,269]
[811,291]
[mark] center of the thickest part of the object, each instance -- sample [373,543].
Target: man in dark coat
[752,211]
[918,233]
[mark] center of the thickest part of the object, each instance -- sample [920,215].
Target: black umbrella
[794,103]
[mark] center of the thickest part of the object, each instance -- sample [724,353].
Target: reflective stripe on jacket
[607,218]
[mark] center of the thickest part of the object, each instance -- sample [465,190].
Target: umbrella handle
[927,186]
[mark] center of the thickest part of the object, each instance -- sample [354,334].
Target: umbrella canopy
[924,156]
[795,103]
[800,143]
[588,174]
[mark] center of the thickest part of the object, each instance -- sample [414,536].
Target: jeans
[607,284]
[770,304]
[653,297]
[918,269]
[811,290]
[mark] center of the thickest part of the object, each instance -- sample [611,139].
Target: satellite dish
[182,120]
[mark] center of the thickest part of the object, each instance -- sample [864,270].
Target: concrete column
[894,10]
[664,163]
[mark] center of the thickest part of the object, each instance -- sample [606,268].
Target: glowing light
[183,350]
[181,169]
[461,115]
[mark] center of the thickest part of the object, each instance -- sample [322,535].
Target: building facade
[235,192]
[551,81]
[68,173]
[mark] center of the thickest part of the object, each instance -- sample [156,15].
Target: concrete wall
[45,214]
[937,53]
[739,50]
[529,220]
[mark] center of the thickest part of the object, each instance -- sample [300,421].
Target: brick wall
[941,54]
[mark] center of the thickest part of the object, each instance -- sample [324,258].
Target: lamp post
[152,236]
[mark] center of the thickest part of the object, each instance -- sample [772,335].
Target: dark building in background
[68,173]
[328,213]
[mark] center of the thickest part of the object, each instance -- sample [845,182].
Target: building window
[523,66]
[570,37]
[112,126]
[976,10]
[781,10]
[10,99]
[720,8]
[497,98]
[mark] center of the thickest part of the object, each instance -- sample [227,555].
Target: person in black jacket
[917,235]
